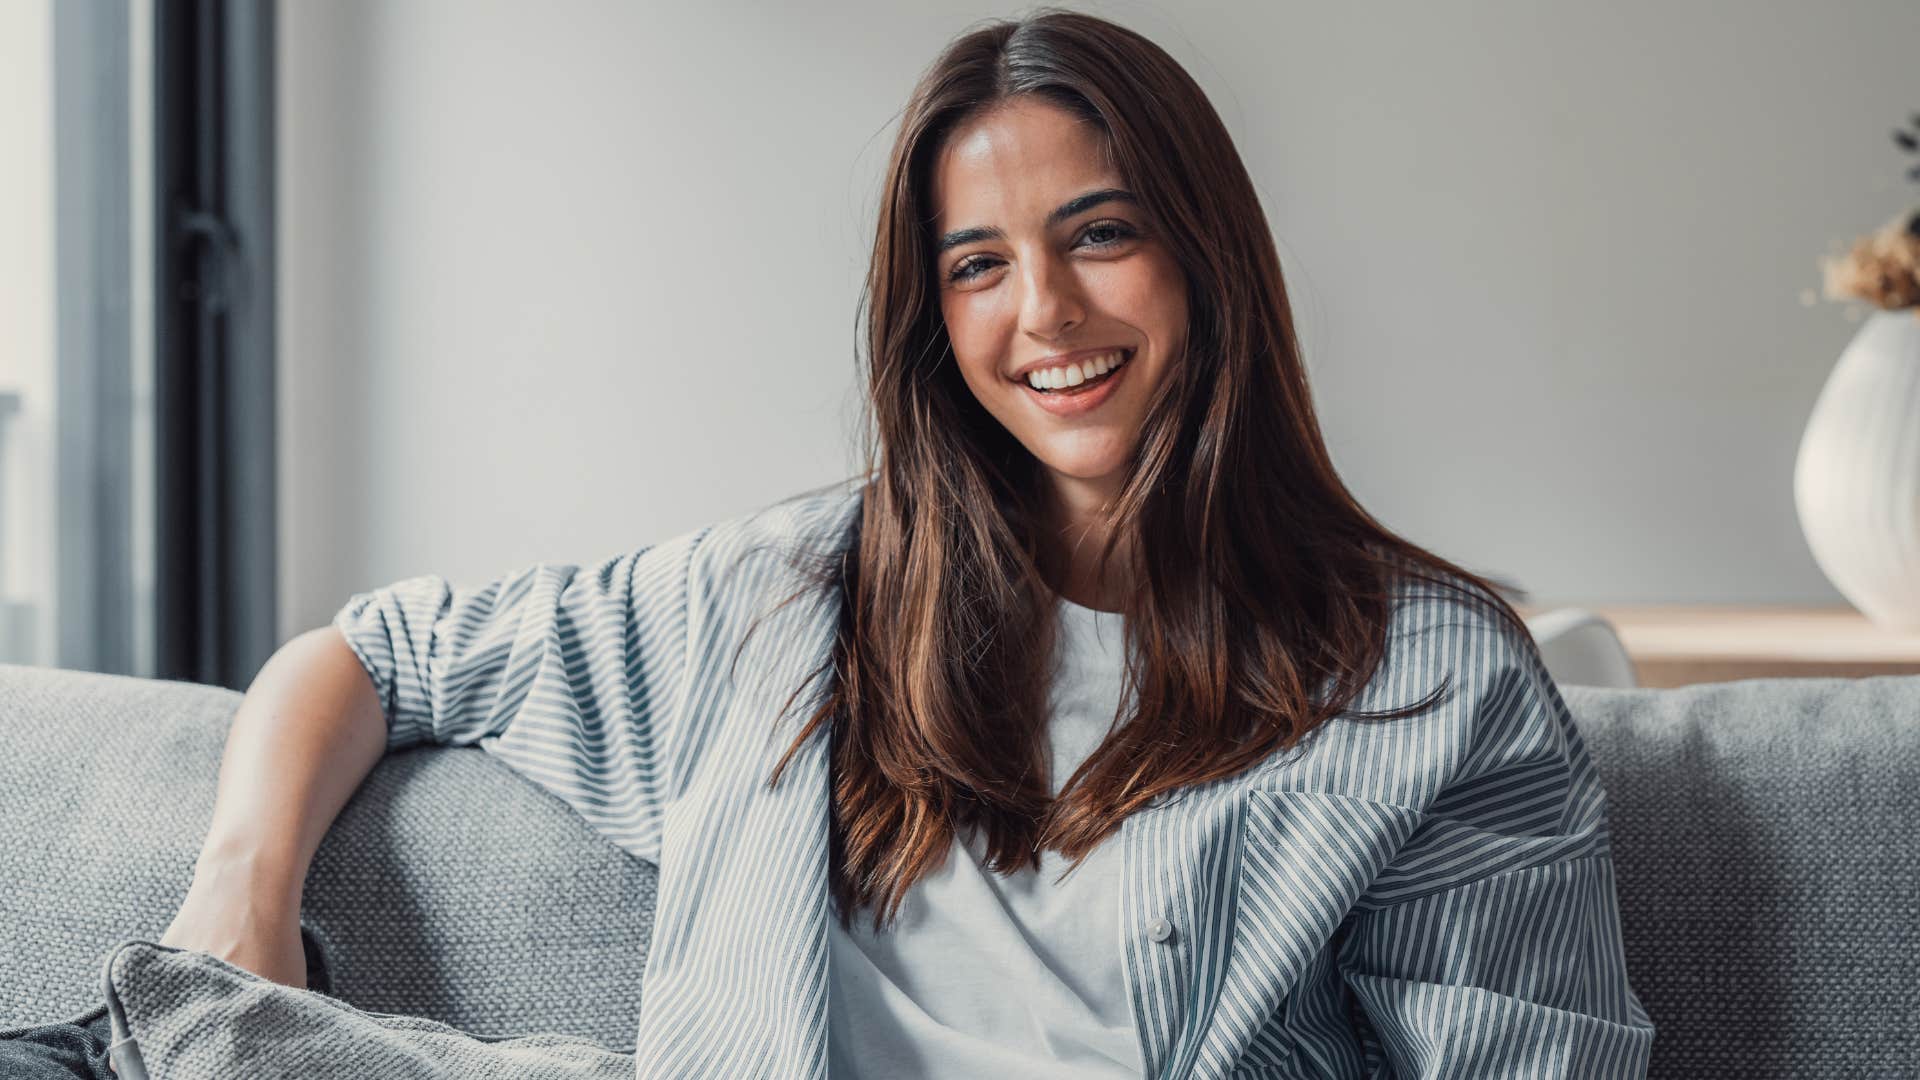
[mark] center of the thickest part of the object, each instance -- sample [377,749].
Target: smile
[1060,399]
[1069,376]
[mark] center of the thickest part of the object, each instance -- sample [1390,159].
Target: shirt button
[1159,929]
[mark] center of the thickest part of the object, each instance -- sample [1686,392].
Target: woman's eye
[966,271]
[1116,231]
[1120,232]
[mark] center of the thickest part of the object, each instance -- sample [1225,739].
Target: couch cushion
[1766,860]
[449,888]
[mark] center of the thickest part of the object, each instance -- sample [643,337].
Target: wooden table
[1674,645]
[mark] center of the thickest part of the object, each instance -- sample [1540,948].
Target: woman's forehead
[1018,160]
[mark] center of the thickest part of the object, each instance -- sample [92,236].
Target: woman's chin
[1101,472]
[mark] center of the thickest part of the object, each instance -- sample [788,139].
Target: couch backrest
[1763,836]
[1768,870]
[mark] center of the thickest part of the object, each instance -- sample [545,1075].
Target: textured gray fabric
[193,1017]
[449,888]
[1768,871]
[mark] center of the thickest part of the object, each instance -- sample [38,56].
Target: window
[75,373]
[136,337]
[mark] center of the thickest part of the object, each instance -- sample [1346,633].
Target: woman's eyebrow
[1077,204]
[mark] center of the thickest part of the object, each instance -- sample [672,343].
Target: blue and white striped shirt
[1426,897]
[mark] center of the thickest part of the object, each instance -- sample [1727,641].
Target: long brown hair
[1264,591]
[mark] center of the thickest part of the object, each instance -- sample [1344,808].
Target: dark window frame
[216,574]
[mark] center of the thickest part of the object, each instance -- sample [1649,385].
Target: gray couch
[1764,841]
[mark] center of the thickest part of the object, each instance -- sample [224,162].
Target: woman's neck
[1069,551]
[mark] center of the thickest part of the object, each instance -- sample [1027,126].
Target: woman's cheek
[970,328]
[962,322]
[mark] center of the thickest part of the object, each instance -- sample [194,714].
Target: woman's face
[1043,257]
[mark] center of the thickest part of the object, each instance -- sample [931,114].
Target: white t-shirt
[988,975]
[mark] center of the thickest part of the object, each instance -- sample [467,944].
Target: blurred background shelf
[1675,645]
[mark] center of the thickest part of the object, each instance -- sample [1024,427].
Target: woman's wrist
[246,867]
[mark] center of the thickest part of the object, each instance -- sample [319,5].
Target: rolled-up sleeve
[1490,947]
[581,647]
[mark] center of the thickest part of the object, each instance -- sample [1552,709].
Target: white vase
[1856,482]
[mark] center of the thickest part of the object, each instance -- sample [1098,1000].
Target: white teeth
[1056,378]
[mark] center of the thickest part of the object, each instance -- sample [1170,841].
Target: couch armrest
[449,887]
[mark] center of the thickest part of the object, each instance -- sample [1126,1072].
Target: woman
[1139,748]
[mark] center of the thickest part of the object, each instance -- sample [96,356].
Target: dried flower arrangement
[1883,268]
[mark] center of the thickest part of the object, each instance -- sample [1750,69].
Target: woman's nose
[1050,300]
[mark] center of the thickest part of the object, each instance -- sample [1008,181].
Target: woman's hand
[245,920]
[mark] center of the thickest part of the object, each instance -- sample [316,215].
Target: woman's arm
[306,735]
[568,672]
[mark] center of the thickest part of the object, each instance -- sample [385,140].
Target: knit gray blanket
[186,1015]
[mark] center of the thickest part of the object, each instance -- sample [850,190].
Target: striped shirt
[1425,897]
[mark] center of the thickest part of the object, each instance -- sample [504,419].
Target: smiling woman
[1143,749]
[1113,630]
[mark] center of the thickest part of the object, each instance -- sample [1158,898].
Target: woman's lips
[1075,400]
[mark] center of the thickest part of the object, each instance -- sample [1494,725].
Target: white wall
[564,277]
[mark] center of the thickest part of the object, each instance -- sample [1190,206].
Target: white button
[1159,929]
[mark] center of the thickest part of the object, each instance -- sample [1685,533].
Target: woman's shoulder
[776,545]
[814,519]
[1450,630]
[1467,692]
[1426,601]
